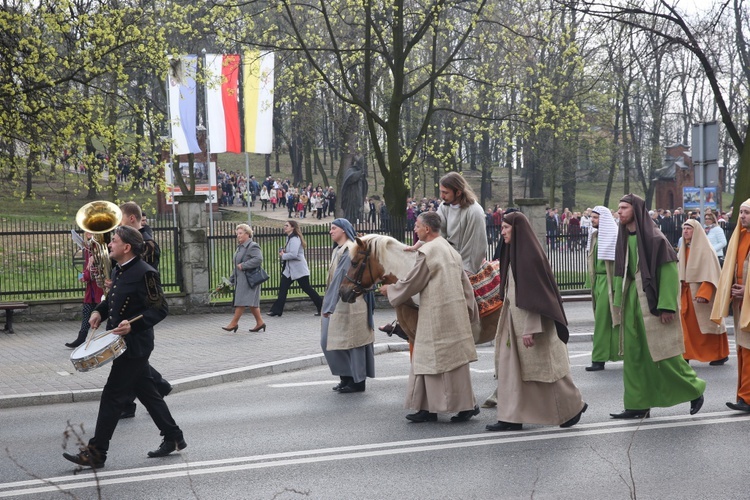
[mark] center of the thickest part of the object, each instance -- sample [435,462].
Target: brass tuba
[99,218]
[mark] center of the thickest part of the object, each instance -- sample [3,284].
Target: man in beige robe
[439,379]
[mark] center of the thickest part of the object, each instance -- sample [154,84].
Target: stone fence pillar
[535,210]
[191,213]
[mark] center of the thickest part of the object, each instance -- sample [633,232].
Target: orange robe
[700,346]
[743,354]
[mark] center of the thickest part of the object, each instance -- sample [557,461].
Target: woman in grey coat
[294,268]
[247,257]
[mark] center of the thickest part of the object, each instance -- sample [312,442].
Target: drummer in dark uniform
[136,290]
[133,216]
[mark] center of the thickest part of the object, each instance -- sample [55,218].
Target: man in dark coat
[135,293]
[132,216]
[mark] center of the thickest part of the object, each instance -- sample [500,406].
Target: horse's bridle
[365,264]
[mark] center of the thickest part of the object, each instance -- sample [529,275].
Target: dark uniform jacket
[136,289]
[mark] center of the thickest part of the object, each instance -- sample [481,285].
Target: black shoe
[127,414]
[167,447]
[75,343]
[632,414]
[317,314]
[696,404]
[595,366]
[503,426]
[740,405]
[422,416]
[88,457]
[353,387]
[465,415]
[343,383]
[273,314]
[718,362]
[573,421]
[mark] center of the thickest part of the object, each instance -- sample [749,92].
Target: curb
[198,381]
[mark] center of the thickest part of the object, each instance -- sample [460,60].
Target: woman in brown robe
[531,356]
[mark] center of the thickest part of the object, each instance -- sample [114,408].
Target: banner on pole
[257,89]
[182,104]
[222,102]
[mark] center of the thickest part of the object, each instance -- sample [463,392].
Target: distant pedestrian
[294,268]
[247,258]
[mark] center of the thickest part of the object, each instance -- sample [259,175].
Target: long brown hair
[296,231]
[456,182]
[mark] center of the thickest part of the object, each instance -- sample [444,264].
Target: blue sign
[691,198]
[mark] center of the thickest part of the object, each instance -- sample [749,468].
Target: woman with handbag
[294,268]
[247,258]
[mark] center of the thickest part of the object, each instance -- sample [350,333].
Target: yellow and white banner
[257,89]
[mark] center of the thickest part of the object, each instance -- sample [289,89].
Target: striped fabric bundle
[486,284]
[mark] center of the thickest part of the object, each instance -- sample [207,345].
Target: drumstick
[96,337]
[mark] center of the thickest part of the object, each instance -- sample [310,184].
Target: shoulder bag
[256,276]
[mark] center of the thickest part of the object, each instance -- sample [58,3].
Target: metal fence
[222,245]
[40,261]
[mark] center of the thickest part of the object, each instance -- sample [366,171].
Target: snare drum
[99,352]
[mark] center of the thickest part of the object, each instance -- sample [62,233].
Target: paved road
[191,351]
[288,436]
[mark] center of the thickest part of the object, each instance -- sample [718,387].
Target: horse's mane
[389,252]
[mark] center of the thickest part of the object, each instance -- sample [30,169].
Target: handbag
[256,276]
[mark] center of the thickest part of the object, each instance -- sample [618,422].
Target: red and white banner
[222,102]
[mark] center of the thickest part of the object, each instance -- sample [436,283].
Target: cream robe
[466,231]
[534,385]
[348,326]
[444,340]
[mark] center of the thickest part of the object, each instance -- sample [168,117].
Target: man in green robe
[647,290]
[601,256]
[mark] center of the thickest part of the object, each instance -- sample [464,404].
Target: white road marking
[66,483]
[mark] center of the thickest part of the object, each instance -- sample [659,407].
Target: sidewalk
[191,351]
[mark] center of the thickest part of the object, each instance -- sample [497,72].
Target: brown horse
[380,259]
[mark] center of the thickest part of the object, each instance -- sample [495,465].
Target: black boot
[595,366]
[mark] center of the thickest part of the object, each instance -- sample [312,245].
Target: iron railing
[40,261]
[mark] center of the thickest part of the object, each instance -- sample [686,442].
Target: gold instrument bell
[99,218]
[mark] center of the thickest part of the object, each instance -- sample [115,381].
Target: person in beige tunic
[346,330]
[531,357]
[439,378]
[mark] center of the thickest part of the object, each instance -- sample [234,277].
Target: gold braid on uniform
[154,295]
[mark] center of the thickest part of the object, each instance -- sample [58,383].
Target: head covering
[723,289]
[607,234]
[536,288]
[701,264]
[346,226]
[653,250]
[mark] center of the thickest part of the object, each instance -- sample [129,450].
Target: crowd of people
[656,309]
[272,193]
